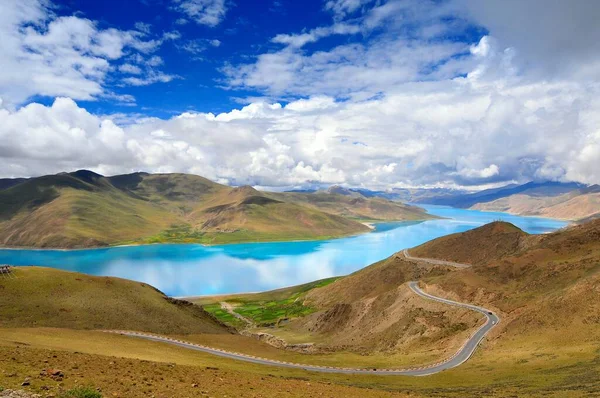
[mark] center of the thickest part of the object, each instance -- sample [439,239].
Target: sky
[286,94]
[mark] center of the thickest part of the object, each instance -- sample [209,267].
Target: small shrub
[81,392]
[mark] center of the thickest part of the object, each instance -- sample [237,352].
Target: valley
[372,319]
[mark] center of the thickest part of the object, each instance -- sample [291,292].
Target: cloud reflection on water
[181,270]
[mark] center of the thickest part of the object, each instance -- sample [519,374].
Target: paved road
[462,355]
[434,261]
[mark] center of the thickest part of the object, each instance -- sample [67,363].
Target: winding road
[461,356]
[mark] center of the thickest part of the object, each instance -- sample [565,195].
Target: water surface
[183,270]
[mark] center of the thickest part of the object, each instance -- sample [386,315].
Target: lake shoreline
[190,270]
[371,225]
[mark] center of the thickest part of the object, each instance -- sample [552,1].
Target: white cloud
[402,107]
[204,12]
[198,46]
[552,37]
[129,68]
[155,60]
[348,69]
[149,77]
[42,54]
[454,132]
[402,41]
[490,171]
[143,27]
[341,8]
[299,40]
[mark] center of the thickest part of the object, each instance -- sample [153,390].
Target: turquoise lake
[186,270]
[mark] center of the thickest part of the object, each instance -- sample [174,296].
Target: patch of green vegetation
[253,236]
[264,309]
[185,234]
[271,312]
[223,316]
[81,392]
[176,233]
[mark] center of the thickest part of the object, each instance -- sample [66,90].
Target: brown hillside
[575,205]
[45,297]
[540,285]
[354,205]
[548,289]
[479,245]
[85,209]
[374,310]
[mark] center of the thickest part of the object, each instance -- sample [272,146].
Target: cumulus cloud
[551,36]
[460,131]
[405,106]
[42,54]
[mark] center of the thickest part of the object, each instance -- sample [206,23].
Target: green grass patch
[177,233]
[224,316]
[266,308]
[184,233]
[265,312]
[81,392]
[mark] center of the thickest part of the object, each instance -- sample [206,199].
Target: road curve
[434,261]
[463,354]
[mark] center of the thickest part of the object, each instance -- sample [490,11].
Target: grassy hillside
[85,209]
[369,312]
[44,297]
[544,287]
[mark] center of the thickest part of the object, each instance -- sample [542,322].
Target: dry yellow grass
[52,298]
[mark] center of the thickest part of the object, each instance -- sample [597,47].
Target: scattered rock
[54,374]
[17,394]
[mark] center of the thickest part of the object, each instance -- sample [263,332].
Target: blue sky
[244,31]
[365,93]
[195,59]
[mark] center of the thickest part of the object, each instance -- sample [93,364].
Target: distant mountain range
[569,201]
[531,188]
[85,209]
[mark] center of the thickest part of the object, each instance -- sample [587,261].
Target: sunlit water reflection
[182,270]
